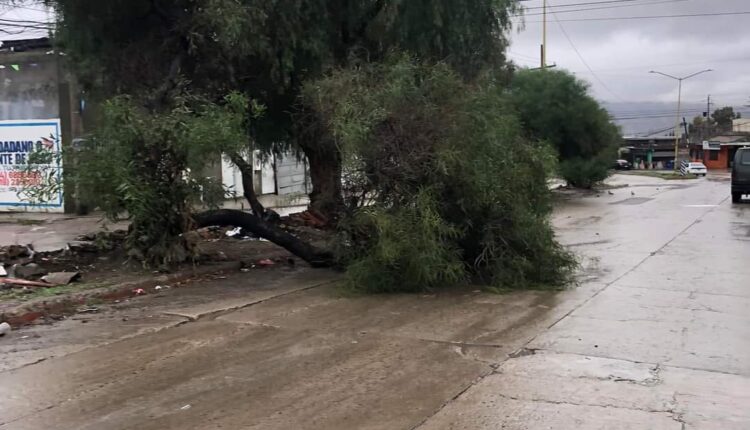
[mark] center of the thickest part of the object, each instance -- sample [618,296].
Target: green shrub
[447,188]
[147,167]
[555,106]
[581,173]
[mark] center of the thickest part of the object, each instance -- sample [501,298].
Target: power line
[643,112]
[572,45]
[40,26]
[15,7]
[643,67]
[621,18]
[602,7]
[582,4]
[22,22]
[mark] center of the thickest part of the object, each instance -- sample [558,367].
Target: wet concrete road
[656,337]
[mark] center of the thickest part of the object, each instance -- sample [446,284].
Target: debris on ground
[309,218]
[235,232]
[29,271]
[266,262]
[61,278]
[3,272]
[139,291]
[4,329]
[89,237]
[242,234]
[24,283]
[80,246]
[13,252]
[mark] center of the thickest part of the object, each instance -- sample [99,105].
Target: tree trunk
[227,217]
[248,184]
[325,174]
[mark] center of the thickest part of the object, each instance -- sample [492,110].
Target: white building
[281,182]
[741,125]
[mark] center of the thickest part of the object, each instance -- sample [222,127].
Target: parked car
[741,174]
[688,168]
[623,165]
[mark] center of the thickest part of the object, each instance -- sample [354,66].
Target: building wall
[282,175]
[291,175]
[29,86]
[31,92]
[721,161]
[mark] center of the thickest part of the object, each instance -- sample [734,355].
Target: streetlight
[679,106]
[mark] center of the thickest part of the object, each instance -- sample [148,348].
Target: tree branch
[228,217]
[248,183]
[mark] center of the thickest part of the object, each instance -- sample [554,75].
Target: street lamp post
[679,107]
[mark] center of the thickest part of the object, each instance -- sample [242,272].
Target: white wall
[283,174]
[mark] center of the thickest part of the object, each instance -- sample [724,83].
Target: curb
[31,311]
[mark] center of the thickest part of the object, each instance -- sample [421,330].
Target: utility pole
[544,35]
[679,108]
[707,128]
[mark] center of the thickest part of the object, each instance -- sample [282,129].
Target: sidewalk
[664,344]
[49,232]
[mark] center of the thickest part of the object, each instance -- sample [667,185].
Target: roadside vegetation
[429,152]
[554,106]
[668,175]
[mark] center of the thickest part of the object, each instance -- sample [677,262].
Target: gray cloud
[622,52]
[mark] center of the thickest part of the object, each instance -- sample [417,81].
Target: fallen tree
[254,224]
[438,186]
[452,190]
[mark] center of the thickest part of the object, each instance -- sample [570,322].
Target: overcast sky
[621,52]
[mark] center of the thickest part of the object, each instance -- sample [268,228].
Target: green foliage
[555,107]
[415,247]
[723,118]
[263,49]
[266,49]
[584,173]
[148,167]
[442,184]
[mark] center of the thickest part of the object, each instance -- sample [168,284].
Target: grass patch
[19,295]
[668,175]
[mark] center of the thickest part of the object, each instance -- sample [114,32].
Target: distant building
[718,152]
[741,125]
[652,151]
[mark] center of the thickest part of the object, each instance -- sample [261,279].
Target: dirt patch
[108,275]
